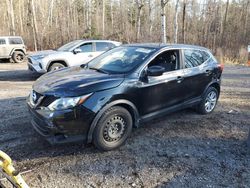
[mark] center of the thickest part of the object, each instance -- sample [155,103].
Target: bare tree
[34,24]
[140,4]
[103,18]
[223,26]
[184,22]
[150,4]
[246,18]
[50,14]
[48,24]
[176,22]
[163,21]
[11,16]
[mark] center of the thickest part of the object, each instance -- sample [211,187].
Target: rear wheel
[18,57]
[113,128]
[209,101]
[56,66]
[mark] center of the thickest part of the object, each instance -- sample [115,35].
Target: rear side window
[194,58]
[103,46]
[15,41]
[2,41]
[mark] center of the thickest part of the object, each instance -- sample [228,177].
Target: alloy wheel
[210,101]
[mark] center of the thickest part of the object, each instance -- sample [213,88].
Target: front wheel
[56,66]
[112,129]
[18,57]
[209,101]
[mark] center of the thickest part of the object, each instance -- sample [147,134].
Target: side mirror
[155,71]
[77,50]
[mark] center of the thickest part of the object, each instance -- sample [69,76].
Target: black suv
[101,101]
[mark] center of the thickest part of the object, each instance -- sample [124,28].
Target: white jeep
[12,47]
[71,54]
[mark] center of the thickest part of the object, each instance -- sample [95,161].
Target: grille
[41,100]
[47,100]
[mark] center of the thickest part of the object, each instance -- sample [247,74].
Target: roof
[164,45]
[90,40]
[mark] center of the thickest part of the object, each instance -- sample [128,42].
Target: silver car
[71,54]
[12,47]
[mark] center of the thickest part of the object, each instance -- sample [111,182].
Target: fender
[106,107]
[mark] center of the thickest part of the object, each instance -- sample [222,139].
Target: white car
[12,47]
[74,53]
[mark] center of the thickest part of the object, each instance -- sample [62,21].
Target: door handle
[90,56]
[179,79]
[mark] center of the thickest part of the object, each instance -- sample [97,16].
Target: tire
[209,101]
[55,66]
[18,57]
[112,129]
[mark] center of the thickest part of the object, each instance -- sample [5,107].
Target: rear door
[197,72]
[101,47]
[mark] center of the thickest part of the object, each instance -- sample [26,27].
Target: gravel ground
[183,149]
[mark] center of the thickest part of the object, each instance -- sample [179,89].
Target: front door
[160,92]
[85,54]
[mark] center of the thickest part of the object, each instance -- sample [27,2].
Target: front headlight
[39,57]
[69,102]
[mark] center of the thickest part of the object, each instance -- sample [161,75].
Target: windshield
[69,46]
[121,59]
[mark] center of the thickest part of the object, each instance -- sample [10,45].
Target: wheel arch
[16,49]
[121,102]
[216,85]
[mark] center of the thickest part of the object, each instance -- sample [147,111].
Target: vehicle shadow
[18,75]
[5,61]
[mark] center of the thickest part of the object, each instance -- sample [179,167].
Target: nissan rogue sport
[103,100]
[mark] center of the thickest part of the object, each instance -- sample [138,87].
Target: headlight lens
[39,57]
[69,102]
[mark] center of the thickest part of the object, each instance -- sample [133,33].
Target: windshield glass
[121,59]
[68,46]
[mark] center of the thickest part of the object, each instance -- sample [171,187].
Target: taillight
[221,67]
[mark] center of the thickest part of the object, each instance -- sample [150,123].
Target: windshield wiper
[99,70]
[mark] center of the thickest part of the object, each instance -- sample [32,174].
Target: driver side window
[87,47]
[169,60]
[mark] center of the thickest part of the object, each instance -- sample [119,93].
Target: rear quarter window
[2,41]
[194,58]
[15,41]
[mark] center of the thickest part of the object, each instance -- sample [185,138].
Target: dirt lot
[183,149]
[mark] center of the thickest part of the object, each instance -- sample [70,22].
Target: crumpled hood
[75,81]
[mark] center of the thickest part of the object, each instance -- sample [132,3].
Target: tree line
[221,25]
